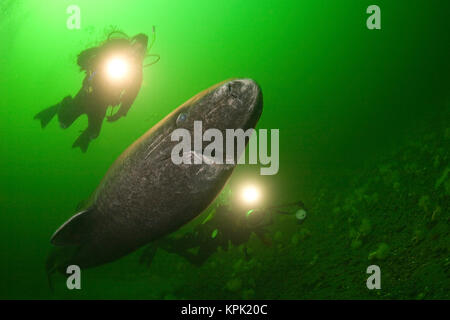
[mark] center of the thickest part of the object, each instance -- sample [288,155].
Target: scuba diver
[227,224]
[113,77]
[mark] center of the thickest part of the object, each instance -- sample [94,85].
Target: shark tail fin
[50,269]
[66,241]
[58,259]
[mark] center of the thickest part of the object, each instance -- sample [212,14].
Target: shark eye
[181,118]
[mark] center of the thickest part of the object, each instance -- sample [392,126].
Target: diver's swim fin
[46,115]
[82,141]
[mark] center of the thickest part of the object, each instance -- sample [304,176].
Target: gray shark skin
[144,195]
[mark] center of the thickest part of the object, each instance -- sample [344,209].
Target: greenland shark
[144,194]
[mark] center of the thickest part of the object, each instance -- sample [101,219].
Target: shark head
[232,104]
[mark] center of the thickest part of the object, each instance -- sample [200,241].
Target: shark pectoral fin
[75,230]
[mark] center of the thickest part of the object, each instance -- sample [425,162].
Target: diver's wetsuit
[198,245]
[225,226]
[98,92]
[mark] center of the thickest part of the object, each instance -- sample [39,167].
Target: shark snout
[242,87]
[246,91]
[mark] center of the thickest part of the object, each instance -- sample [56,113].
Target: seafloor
[394,214]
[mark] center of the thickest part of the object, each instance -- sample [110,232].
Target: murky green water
[364,139]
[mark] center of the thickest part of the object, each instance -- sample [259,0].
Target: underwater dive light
[116,68]
[250,194]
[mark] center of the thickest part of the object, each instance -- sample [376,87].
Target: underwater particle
[234,285]
[374,197]
[353,233]
[411,167]
[249,250]
[421,296]
[359,193]
[424,202]
[238,264]
[194,250]
[389,175]
[214,233]
[300,214]
[248,294]
[447,187]
[381,253]
[436,213]
[436,161]
[278,236]
[371,199]
[251,264]
[442,178]
[447,133]
[384,169]
[295,239]
[447,262]
[180,266]
[365,227]
[418,237]
[170,296]
[348,206]
[210,216]
[314,259]
[356,243]
[304,234]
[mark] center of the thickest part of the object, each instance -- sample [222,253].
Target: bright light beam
[250,195]
[116,68]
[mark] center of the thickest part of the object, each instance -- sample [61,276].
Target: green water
[364,138]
